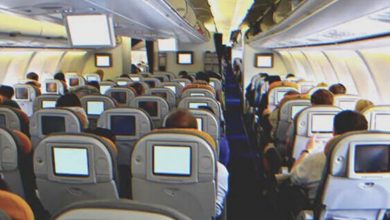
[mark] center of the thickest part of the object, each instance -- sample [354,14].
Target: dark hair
[322,97]
[271,79]
[7,91]
[33,76]
[103,132]
[338,89]
[202,76]
[290,75]
[68,100]
[348,120]
[188,77]
[59,76]
[183,73]
[181,118]
[138,87]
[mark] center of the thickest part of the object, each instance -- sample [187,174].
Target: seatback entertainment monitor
[171,160]
[69,161]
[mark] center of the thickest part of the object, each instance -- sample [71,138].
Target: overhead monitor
[74,81]
[165,45]
[322,123]
[51,87]
[264,60]
[52,124]
[69,161]
[95,107]
[197,94]
[369,160]
[104,89]
[48,104]
[120,97]
[122,125]
[296,109]
[185,57]
[3,123]
[21,93]
[160,94]
[150,107]
[382,122]
[172,88]
[199,122]
[103,60]
[171,160]
[195,105]
[280,96]
[90,30]
[121,83]
[347,105]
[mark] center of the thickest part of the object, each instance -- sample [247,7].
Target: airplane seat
[156,107]
[48,121]
[189,184]
[345,102]
[170,75]
[45,101]
[84,90]
[183,82]
[118,209]
[92,77]
[210,89]
[136,77]
[314,120]
[166,94]
[53,86]
[176,88]
[161,77]
[276,94]
[74,80]
[356,179]
[315,89]
[4,215]
[152,82]
[378,117]
[123,81]
[194,103]
[202,92]
[14,119]
[14,207]
[121,95]
[71,167]
[106,85]
[95,105]
[216,84]
[25,96]
[305,86]
[287,113]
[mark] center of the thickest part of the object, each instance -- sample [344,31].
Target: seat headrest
[15,206]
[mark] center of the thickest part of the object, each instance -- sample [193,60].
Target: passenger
[202,77]
[183,118]
[61,77]
[6,94]
[35,79]
[307,170]
[72,102]
[135,69]
[100,72]
[188,77]
[36,88]
[183,73]
[338,89]
[138,88]
[363,104]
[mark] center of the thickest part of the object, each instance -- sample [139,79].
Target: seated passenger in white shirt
[183,118]
[307,170]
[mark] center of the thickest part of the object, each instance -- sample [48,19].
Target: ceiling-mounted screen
[185,58]
[103,60]
[169,44]
[90,30]
[264,61]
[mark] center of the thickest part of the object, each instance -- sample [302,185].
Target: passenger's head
[183,73]
[322,97]
[59,76]
[138,87]
[7,91]
[181,118]
[363,104]
[103,132]
[33,76]
[290,75]
[188,77]
[100,73]
[338,89]
[68,100]
[348,120]
[202,76]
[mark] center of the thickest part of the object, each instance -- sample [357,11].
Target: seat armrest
[305,215]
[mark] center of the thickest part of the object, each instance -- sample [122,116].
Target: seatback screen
[48,104]
[74,81]
[197,94]
[120,97]
[172,160]
[70,161]
[95,107]
[382,122]
[372,158]
[199,121]
[121,83]
[92,78]
[197,104]
[173,88]
[21,93]
[103,89]
[322,123]
[123,125]
[296,109]
[51,87]
[52,124]
[347,105]
[150,107]
[135,78]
